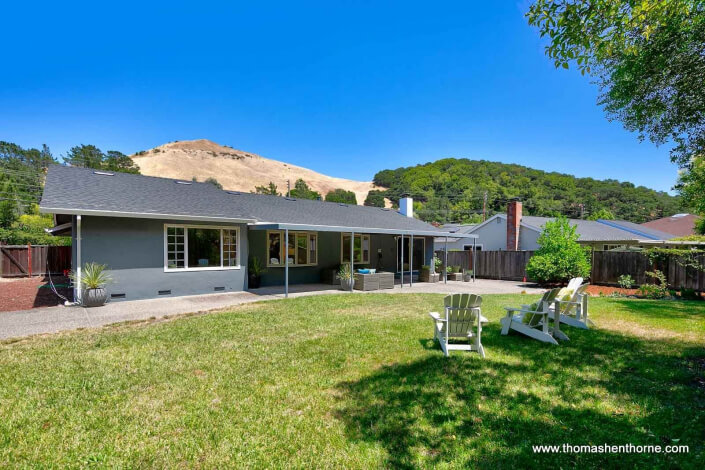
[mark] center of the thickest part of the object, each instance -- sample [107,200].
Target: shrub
[341,196]
[689,294]
[625,281]
[654,291]
[559,257]
[375,198]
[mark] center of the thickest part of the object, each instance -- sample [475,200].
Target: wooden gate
[33,260]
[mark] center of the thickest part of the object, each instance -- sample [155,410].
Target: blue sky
[345,88]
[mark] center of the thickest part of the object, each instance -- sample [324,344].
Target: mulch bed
[26,293]
[608,290]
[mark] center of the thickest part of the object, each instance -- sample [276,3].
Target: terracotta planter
[94,297]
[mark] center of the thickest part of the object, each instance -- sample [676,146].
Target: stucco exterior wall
[133,250]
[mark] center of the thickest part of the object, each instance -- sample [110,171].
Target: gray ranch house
[169,237]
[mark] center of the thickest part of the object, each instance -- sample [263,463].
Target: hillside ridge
[237,170]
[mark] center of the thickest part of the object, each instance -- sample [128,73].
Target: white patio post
[77,291]
[286,262]
[401,284]
[352,262]
[411,261]
[445,262]
[474,253]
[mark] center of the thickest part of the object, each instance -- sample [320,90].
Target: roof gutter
[340,228]
[142,215]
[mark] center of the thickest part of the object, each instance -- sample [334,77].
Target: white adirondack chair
[463,319]
[574,283]
[534,322]
[574,312]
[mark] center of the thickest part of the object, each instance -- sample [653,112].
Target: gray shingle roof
[72,190]
[611,230]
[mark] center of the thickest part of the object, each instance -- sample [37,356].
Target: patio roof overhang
[339,228]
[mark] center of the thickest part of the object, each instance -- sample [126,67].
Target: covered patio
[306,254]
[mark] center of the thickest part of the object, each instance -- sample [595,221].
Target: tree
[85,156]
[560,256]
[270,189]
[342,196]
[29,228]
[118,161]
[604,214]
[90,156]
[214,182]
[21,179]
[302,191]
[647,58]
[375,198]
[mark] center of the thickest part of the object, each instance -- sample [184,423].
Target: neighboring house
[522,232]
[455,243]
[161,236]
[679,225]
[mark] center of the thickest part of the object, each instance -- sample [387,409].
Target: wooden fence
[507,265]
[607,266]
[34,260]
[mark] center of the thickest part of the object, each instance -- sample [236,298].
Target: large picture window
[361,248]
[301,248]
[200,247]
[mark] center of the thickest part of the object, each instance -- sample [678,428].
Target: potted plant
[254,273]
[467,275]
[92,284]
[346,276]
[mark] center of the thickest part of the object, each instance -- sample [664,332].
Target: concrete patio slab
[54,319]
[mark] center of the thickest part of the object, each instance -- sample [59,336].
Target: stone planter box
[455,276]
[428,276]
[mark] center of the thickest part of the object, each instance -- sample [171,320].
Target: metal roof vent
[182,182]
[235,193]
[103,173]
[290,199]
[341,204]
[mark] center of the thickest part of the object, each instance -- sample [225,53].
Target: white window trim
[283,248]
[478,245]
[186,268]
[343,249]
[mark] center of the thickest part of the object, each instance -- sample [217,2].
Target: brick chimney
[513,224]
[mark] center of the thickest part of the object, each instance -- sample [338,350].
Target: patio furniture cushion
[565,294]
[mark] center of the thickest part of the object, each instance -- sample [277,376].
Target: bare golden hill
[236,170]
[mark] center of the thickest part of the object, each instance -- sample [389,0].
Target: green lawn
[354,381]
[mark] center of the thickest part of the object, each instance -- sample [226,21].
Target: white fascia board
[141,215]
